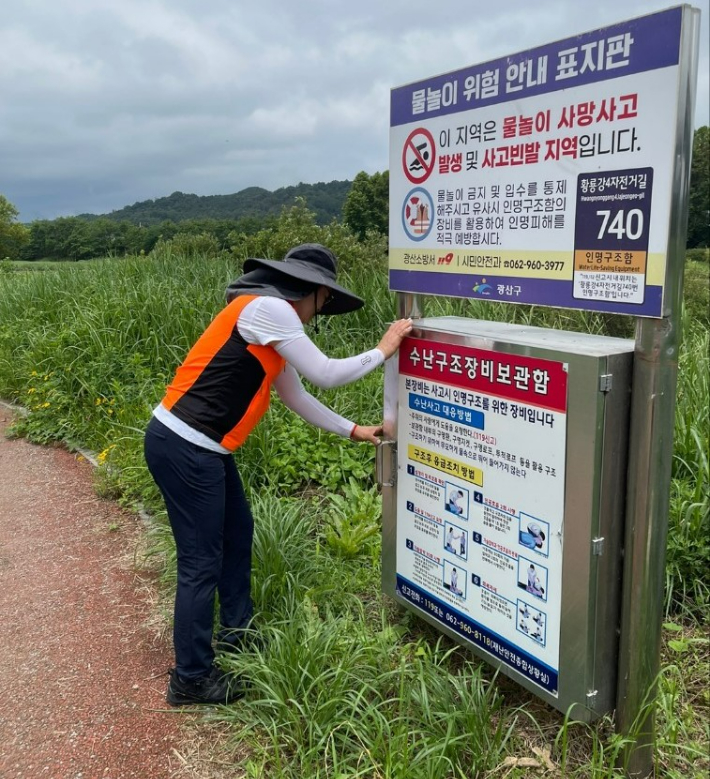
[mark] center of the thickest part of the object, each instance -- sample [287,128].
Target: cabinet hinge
[605,382]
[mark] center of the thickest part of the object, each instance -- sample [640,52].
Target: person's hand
[393,337]
[373,434]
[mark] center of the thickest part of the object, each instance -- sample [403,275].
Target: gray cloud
[107,102]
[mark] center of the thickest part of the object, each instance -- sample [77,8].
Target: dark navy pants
[213,529]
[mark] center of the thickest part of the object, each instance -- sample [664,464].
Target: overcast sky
[108,102]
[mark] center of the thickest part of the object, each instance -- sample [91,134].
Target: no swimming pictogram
[418,155]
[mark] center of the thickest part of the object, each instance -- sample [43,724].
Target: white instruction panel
[480,499]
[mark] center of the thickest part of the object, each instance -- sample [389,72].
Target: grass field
[347,685]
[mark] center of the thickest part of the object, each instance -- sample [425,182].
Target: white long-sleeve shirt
[271,321]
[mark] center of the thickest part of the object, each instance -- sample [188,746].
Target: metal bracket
[605,382]
[380,457]
[598,546]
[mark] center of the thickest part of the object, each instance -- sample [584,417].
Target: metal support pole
[410,304]
[651,456]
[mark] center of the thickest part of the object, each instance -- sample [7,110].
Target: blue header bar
[639,45]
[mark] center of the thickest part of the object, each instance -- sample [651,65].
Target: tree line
[362,204]
[137,228]
[325,200]
[75,238]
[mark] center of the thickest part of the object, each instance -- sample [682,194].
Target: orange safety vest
[223,386]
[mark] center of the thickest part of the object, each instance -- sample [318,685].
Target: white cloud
[27,63]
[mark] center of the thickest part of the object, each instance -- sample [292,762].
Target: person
[218,394]
[455,582]
[532,575]
[534,584]
[450,540]
[537,534]
[453,504]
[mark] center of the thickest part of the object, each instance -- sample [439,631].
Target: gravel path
[82,669]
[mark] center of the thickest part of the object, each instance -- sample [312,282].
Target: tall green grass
[346,685]
[337,691]
[688,566]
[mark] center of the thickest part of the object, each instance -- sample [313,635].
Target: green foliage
[367,204]
[301,456]
[298,224]
[696,292]
[227,219]
[78,238]
[699,198]
[326,199]
[74,238]
[353,518]
[688,566]
[189,246]
[683,728]
[338,690]
[328,702]
[683,643]
[13,235]
[698,254]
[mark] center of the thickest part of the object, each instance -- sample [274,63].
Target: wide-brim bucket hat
[315,264]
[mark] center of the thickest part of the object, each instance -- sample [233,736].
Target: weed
[353,517]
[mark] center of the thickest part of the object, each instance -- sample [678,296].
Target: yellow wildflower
[101,457]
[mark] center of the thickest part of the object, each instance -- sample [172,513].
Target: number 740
[623,224]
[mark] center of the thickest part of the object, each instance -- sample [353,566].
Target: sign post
[559,177]
[651,452]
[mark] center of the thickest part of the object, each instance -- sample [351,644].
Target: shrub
[696,292]
[698,255]
[200,246]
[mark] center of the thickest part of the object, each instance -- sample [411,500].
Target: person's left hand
[372,433]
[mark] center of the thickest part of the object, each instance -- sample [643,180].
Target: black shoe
[212,689]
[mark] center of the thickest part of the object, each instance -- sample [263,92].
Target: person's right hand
[393,337]
[371,434]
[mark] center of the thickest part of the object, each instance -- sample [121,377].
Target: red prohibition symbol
[418,155]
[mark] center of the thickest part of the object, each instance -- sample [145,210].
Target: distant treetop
[324,199]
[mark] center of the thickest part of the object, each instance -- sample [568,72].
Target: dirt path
[82,661]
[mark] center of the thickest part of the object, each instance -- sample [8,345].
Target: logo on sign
[482,288]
